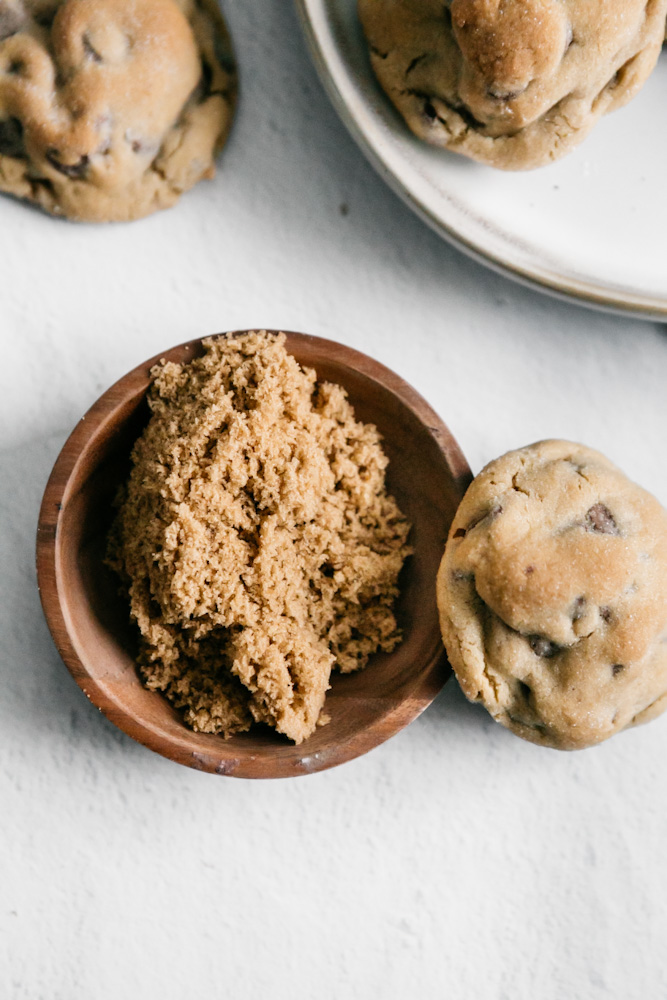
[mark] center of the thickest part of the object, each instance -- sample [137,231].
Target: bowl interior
[89,618]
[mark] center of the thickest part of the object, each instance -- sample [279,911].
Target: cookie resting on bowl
[552,595]
[512,83]
[111,109]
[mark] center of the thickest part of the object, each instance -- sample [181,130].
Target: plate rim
[567,289]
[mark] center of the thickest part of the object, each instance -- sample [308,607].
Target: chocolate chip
[38,184]
[11,137]
[89,49]
[460,533]
[429,111]
[75,171]
[415,62]
[525,690]
[468,117]
[504,95]
[529,569]
[11,20]
[543,647]
[600,519]
[491,514]
[605,614]
[140,144]
[578,610]
[616,669]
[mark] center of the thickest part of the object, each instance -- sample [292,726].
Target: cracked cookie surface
[512,83]
[552,595]
[111,109]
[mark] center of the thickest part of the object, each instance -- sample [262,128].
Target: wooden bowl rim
[398,714]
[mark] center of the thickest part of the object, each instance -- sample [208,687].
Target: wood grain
[89,620]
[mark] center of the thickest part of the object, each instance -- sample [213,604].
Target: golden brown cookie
[111,109]
[553,596]
[512,83]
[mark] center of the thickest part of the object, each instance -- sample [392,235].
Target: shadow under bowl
[89,620]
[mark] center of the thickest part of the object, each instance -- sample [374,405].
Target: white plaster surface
[453,862]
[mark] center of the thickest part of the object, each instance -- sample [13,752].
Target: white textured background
[455,861]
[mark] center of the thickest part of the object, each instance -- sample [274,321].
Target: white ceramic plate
[592,227]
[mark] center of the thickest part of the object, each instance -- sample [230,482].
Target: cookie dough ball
[111,109]
[512,83]
[553,596]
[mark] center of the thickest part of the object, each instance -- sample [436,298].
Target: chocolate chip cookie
[512,83]
[111,109]
[553,596]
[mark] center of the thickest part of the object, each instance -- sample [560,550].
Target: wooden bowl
[90,622]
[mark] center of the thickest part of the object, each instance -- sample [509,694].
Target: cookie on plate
[111,109]
[512,83]
[552,595]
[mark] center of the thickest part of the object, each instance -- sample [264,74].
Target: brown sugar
[255,538]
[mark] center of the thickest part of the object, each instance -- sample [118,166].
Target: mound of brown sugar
[255,538]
